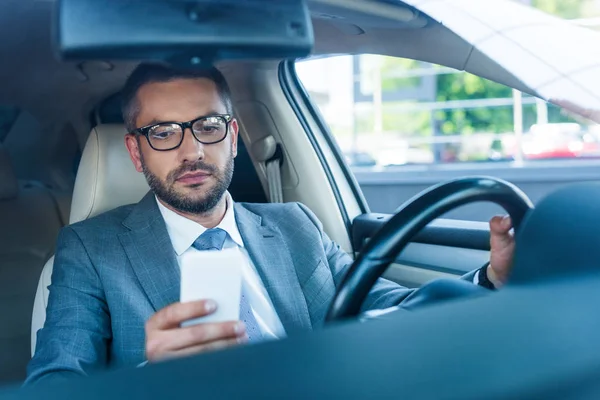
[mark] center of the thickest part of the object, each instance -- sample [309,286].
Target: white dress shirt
[183,232]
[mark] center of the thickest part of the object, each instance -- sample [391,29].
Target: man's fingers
[165,337]
[506,223]
[191,336]
[174,314]
[500,224]
[212,346]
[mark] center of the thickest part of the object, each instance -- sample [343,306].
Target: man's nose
[190,149]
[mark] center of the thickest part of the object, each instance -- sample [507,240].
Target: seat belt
[274,165]
[270,152]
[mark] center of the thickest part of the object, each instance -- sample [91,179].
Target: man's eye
[163,134]
[210,129]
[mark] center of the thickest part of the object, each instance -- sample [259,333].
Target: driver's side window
[404,125]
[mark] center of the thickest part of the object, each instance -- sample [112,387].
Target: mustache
[192,167]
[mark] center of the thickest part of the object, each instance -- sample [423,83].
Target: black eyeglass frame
[145,130]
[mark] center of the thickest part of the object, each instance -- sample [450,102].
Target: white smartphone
[215,275]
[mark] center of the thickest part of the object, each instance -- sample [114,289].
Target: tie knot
[211,239]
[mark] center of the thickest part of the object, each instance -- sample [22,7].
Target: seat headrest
[106,177]
[9,186]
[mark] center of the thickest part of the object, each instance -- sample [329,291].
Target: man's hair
[154,72]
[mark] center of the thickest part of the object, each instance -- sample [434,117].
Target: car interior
[63,159]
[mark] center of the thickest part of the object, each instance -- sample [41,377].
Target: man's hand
[165,338]
[503,246]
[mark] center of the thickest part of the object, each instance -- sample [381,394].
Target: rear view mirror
[183,31]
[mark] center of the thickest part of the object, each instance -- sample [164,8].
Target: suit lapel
[151,253]
[275,266]
[154,261]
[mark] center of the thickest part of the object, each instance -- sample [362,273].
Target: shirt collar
[183,231]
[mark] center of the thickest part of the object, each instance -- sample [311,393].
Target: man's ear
[234,129]
[132,144]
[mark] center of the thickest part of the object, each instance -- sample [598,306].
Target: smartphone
[215,275]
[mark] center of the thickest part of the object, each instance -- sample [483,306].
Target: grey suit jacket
[112,272]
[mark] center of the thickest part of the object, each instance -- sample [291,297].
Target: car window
[8,116]
[387,111]
[404,125]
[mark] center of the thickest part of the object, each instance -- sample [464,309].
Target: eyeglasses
[169,135]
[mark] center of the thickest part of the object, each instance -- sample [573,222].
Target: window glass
[405,125]
[387,111]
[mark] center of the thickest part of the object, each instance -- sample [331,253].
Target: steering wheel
[385,246]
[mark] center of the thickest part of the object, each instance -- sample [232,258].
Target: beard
[195,203]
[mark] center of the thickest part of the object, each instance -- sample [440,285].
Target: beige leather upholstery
[106,179]
[29,224]
[9,186]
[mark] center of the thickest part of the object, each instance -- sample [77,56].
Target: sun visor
[184,32]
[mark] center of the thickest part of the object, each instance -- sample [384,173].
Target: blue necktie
[214,239]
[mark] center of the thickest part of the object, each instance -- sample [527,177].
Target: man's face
[193,177]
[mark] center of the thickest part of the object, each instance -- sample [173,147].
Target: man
[114,294]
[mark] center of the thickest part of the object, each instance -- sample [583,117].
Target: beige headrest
[106,178]
[9,186]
